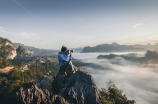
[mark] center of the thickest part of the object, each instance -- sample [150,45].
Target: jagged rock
[77,88]
[39,93]
[57,99]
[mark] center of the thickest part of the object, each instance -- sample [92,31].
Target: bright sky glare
[50,24]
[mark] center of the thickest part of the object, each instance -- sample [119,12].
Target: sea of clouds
[137,82]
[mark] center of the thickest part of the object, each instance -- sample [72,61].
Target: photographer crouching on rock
[65,64]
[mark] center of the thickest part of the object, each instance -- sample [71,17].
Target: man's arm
[61,57]
[70,58]
[70,53]
[64,58]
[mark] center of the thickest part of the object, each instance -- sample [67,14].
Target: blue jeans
[67,67]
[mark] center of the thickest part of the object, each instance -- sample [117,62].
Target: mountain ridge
[114,47]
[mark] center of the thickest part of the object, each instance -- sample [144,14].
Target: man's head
[63,49]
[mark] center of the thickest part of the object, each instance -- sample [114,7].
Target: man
[65,58]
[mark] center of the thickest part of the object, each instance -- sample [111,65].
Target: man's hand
[70,53]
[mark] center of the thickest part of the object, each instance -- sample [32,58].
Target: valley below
[137,80]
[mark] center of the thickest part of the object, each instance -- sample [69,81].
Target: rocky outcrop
[75,88]
[21,51]
[39,93]
[7,49]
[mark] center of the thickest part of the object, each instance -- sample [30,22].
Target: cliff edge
[76,88]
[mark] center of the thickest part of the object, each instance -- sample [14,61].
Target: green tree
[113,95]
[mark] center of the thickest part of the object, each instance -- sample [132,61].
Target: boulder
[76,88]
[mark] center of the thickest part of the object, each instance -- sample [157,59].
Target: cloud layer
[137,82]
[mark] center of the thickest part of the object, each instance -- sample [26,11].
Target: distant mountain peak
[148,44]
[20,48]
[156,44]
[114,47]
[21,51]
[115,44]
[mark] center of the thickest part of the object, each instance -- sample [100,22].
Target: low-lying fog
[137,82]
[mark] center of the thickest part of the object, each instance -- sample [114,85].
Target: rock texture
[75,88]
[39,93]
[21,51]
[7,49]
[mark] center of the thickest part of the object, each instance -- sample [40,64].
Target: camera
[68,51]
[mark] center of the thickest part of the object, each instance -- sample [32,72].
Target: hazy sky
[78,23]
